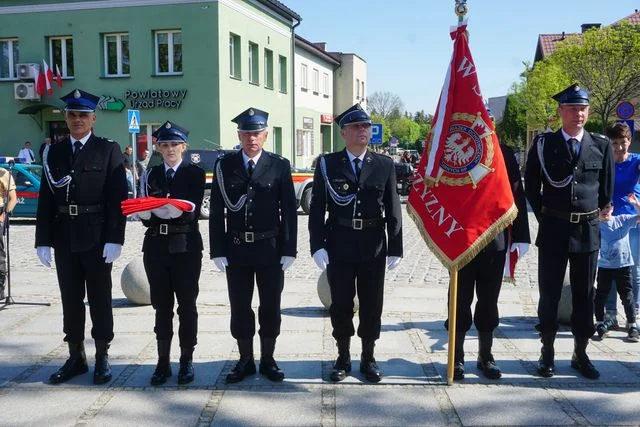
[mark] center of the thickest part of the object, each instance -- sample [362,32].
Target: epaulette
[275,155]
[598,136]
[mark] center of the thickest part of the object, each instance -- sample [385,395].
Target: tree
[606,62]
[544,80]
[512,129]
[405,129]
[385,104]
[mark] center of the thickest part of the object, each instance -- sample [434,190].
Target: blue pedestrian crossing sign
[376,134]
[133,118]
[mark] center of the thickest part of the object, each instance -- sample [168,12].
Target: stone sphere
[324,293]
[134,283]
[565,306]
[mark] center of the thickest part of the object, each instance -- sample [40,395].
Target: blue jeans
[634,241]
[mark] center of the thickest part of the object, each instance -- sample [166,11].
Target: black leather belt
[165,229]
[572,217]
[75,210]
[359,224]
[251,236]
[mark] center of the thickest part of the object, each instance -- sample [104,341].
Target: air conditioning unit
[28,71]
[25,91]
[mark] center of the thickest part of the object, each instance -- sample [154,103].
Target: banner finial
[461,9]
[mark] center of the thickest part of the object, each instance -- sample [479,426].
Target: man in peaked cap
[79,217]
[357,188]
[255,190]
[568,179]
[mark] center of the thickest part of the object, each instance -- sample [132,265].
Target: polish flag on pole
[58,76]
[40,83]
[48,77]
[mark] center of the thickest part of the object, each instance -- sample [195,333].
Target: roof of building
[316,49]
[280,7]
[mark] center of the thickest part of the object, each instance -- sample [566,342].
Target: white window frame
[234,66]
[325,84]
[119,61]
[304,84]
[253,51]
[64,67]
[363,97]
[316,81]
[170,53]
[282,66]
[268,68]
[12,61]
[357,88]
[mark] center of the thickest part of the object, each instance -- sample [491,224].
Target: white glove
[522,248]
[167,211]
[286,262]
[44,253]
[321,258]
[111,252]
[221,263]
[393,261]
[142,215]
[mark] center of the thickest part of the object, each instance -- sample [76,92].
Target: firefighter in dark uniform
[258,240]
[568,179]
[79,217]
[357,188]
[484,274]
[173,250]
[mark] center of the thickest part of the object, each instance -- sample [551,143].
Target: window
[234,56]
[268,69]
[116,55]
[316,81]
[9,58]
[169,52]
[303,77]
[362,92]
[282,63]
[325,85]
[254,76]
[61,54]
[357,88]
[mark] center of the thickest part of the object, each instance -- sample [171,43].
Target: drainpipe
[293,93]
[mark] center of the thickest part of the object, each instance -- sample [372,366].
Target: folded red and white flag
[157,205]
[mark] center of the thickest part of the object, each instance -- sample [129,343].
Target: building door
[277,140]
[325,132]
[58,131]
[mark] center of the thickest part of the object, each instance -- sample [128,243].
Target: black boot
[268,366]
[102,370]
[343,363]
[246,365]
[458,359]
[76,364]
[368,365]
[580,360]
[163,368]
[186,374]
[546,367]
[486,363]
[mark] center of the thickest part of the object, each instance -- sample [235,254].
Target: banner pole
[453,299]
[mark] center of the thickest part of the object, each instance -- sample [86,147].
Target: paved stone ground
[411,353]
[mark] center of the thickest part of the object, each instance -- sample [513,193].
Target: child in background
[614,264]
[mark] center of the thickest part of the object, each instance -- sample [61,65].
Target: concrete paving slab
[16,345]
[39,379]
[606,406]
[206,372]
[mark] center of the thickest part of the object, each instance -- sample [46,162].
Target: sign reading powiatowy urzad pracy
[155,98]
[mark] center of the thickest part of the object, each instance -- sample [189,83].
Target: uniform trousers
[365,278]
[75,270]
[582,273]
[622,279]
[169,275]
[240,283]
[484,274]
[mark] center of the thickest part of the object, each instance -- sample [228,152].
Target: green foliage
[512,130]
[542,82]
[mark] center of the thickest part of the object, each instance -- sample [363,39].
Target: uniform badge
[236,240]
[195,157]
[465,160]
[345,186]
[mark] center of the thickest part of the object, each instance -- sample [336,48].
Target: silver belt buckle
[357,224]
[73,210]
[164,229]
[574,217]
[249,237]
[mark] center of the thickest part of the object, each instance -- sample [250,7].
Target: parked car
[302,183]
[27,179]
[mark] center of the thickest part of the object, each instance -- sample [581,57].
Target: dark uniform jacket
[376,198]
[591,188]
[520,226]
[97,179]
[270,205]
[188,184]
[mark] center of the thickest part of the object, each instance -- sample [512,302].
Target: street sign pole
[133,119]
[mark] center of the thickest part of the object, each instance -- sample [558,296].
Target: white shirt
[82,141]
[27,155]
[175,168]
[245,159]
[579,137]
[351,157]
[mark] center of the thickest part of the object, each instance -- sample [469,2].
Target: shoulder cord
[62,182]
[338,199]
[232,207]
[144,183]
[556,184]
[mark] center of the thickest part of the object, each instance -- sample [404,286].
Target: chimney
[321,45]
[586,27]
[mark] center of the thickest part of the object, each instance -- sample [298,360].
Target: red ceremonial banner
[461,198]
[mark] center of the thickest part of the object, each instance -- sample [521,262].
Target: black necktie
[31,155]
[356,162]
[77,146]
[169,175]
[573,144]
[250,165]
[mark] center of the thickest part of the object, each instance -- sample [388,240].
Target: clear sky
[407,47]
